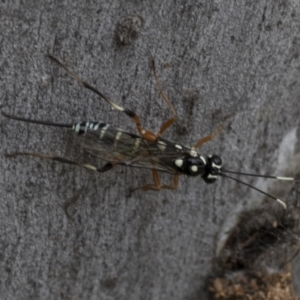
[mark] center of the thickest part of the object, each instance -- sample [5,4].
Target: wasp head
[213,168]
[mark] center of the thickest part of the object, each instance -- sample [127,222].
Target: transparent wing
[118,146]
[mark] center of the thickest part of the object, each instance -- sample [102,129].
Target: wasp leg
[105,168]
[146,134]
[169,122]
[157,186]
[209,137]
[213,135]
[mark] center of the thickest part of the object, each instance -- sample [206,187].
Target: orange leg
[213,135]
[157,186]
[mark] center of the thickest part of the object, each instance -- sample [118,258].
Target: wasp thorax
[191,166]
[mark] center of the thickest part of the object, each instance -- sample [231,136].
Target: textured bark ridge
[69,233]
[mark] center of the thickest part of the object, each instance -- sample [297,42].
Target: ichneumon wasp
[146,150]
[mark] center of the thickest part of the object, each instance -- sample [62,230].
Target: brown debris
[127,29]
[254,286]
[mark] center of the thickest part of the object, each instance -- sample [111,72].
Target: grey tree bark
[213,59]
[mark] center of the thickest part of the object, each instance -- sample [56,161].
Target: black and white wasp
[146,150]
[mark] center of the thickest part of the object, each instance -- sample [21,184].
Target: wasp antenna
[254,188]
[263,176]
[46,123]
[281,202]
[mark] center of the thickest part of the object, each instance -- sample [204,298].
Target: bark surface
[213,59]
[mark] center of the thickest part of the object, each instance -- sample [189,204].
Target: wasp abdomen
[83,127]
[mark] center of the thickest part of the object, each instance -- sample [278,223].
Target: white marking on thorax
[179,162]
[178,146]
[203,159]
[193,152]
[161,145]
[194,168]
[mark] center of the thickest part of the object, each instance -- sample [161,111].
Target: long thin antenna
[254,188]
[37,121]
[262,176]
